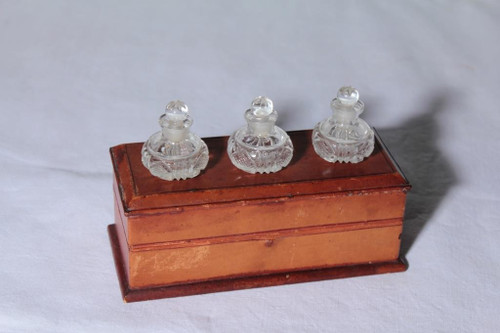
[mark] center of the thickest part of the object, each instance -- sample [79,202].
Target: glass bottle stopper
[175,153]
[344,137]
[261,146]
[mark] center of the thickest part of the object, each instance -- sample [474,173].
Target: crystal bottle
[175,153]
[344,137]
[260,146]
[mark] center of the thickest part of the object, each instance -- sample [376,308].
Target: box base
[203,287]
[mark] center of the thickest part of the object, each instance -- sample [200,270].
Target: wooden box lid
[221,182]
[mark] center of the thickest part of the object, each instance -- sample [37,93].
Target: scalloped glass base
[260,155]
[342,150]
[191,156]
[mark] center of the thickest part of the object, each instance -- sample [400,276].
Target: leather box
[227,229]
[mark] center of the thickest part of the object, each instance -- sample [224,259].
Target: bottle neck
[175,128]
[175,134]
[345,115]
[262,129]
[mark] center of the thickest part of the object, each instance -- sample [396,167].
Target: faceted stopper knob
[348,96]
[262,106]
[347,104]
[176,112]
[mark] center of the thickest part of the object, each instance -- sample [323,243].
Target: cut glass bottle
[175,153]
[261,146]
[344,137]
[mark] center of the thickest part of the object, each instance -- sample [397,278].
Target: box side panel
[122,240]
[263,256]
[121,229]
[265,215]
[119,212]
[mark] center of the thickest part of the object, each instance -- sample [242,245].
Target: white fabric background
[79,77]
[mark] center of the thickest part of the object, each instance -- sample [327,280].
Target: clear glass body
[261,146]
[175,153]
[344,137]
